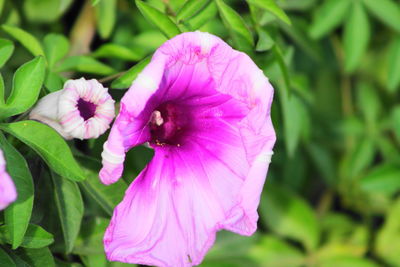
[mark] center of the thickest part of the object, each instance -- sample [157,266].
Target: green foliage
[332,193]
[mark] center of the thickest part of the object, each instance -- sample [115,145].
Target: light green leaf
[272,7]
[6,50]
[328,16]
[356,37]
[117,51]
[56,46]
[35,237]
[383,179]
[239,32]
[396,121]
[27,82]
[348,261]
[159,19]
[359,157]
[125,81]
[393,82]
[272,251]
[6,260]
[289,215]
[265,41]
[49,145]
[387,11]
[45,10]
[105,17]
[197,21]
[53,82]
[18,214]
[70,209]
[1,91]
[190,9]
[26,39]
[84,64]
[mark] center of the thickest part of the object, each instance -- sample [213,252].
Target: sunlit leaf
[105,17]
[117,51]
[26,39]
[84,64]
[56,46]
[387,11]
[272,7]
[6,50]
[125,81]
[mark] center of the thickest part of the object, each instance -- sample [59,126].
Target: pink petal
[8,192]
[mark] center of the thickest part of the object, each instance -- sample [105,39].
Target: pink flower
[82,109]
[8,193]
[205,110]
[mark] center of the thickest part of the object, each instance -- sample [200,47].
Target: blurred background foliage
[332,193]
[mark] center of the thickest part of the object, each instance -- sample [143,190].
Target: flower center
[86,109]
[167,125]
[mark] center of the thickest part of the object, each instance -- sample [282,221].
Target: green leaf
[53,82]
[393,81]
[348,261]
[125,81]
[1,91]
[18,214]
[49,145]
[272,7]
[272,251]
[25,38]
[35,237]
[84,64]
[239,32]
[36,257]
[207,14]
[289,215]
[159,19]
[396,121]
[27,82]
[387,11]
[105,17]
[356,37]
[383,179]
[190,9]
[387,244]
[6,50]
[70,209]
[117,51]
[265,41]
[6,260]
[359,157]
[56,46]
[328,16]
[106,196]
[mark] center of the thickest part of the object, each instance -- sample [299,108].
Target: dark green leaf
[6,260]
[27,82]
[70,209]
[328,16]
[18,214]
[239,31]
[6,50]
[85,64]
[125,81]
[36,257]
[49,145]
[35,237]
[105,17]
[159,19]
[387,11]
[26,39]
[56,46]
[272,7]
[356,37]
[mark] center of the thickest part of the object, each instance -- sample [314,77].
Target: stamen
[156,118]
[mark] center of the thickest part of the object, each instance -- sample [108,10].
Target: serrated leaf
[84,64]
[56,46]
[49,145]
[328,16]
[125,81]
[118,51]
[105,17]
[6,50]
[387,11]
[26,39]
[356,37]
[393,81]
[233,21]
[35,237]
[27,82]
[18,214]
[70,209]
[159,19]
[272,7]
[289,215]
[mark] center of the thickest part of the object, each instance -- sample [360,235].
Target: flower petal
[8,192]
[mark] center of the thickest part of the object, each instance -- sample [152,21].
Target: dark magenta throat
[86,109]
[168,125]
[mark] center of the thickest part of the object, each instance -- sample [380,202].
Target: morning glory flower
[205,110]
[8,193]
[82,109]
